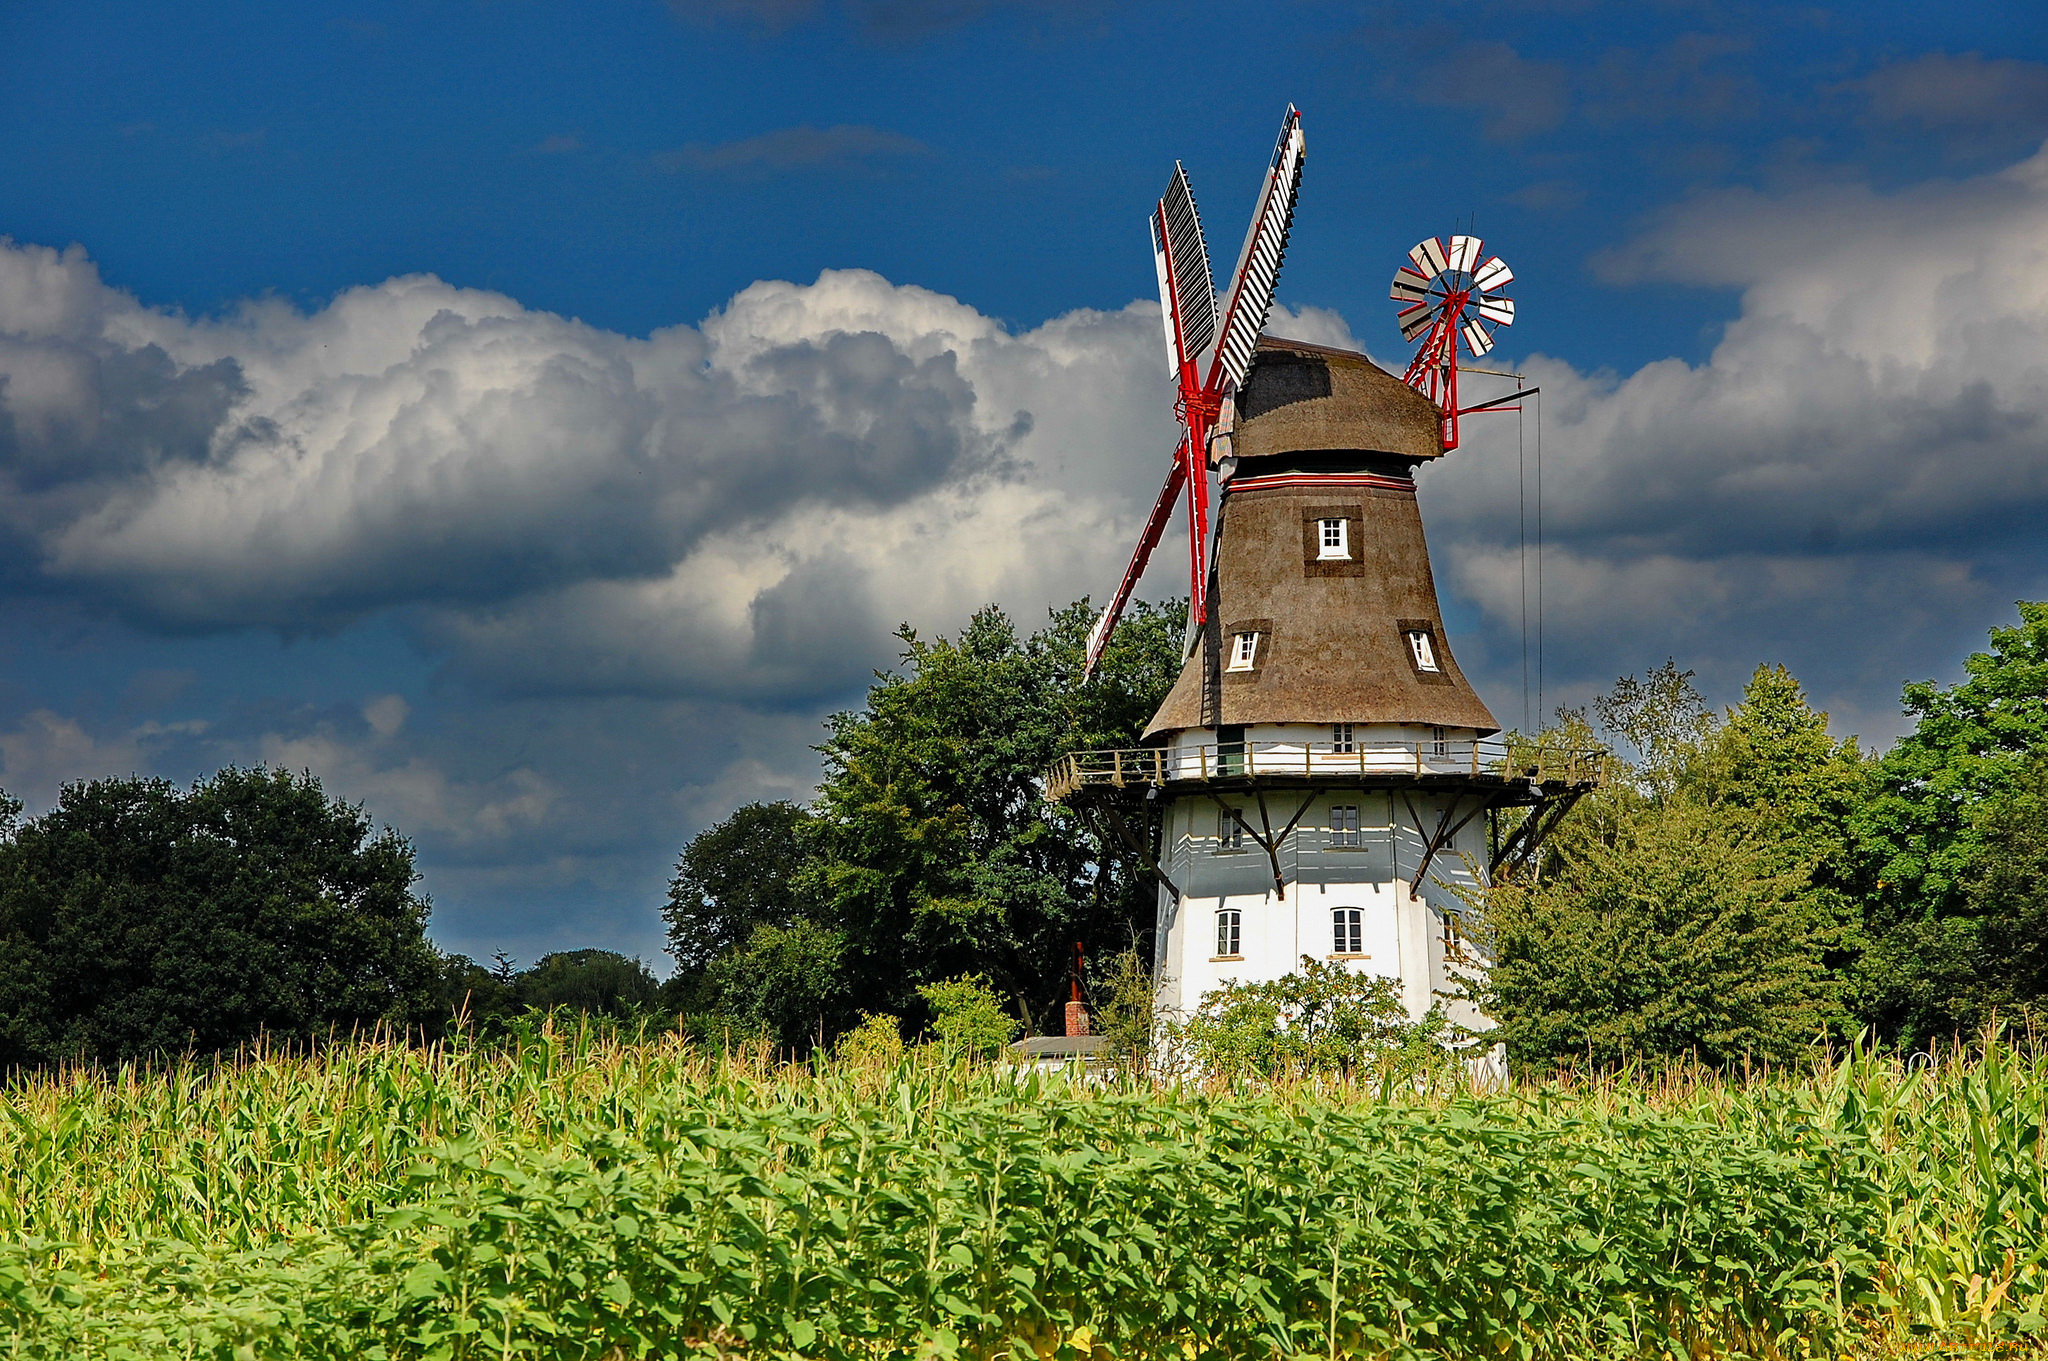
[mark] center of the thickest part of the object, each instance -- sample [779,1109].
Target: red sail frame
[1227,346]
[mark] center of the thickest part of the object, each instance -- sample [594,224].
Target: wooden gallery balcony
[1490,763]
[1128,787]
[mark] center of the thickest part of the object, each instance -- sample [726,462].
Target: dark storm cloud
[842,146]
[889,20]
[80,413]
[1943,91]
[552,508]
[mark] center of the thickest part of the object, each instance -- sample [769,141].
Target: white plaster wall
[1402,932]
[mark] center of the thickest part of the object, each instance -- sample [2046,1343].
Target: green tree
[474,995]
[1969,743]
[137,919]
[596,982]
[936,853]
[1670,931]
[1947,976]
[788,983]
[733,877]
[1927,829]
[1664,719]
[2008,892]
[1776,758]
[1695,905]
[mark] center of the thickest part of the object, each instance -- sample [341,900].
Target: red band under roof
[1273,480]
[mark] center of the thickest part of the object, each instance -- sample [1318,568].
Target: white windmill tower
[1321,781]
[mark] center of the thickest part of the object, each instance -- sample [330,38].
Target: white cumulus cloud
[1853,481]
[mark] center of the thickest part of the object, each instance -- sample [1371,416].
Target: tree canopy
[1687,908]
[138,919]
[1750,885]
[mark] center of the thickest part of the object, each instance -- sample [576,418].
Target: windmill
[1209,346]
[1321,778]
[1450,294]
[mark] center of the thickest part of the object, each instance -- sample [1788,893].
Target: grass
[576,1195]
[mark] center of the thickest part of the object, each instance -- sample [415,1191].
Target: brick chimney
[1077,1010]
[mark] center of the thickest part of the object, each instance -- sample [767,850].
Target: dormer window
[1244,652]
[1423,650]
[1335,541]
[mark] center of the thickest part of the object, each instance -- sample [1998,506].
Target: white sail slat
[1491,275]
[1249,296]
[1186,268]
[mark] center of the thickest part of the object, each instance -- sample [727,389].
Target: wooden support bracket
[1267,841]
[1138,846]
[1523,843]
[1445,830]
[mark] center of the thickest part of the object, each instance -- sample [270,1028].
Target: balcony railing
[1488,758]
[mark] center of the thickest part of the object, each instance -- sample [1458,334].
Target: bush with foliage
[967,1016]
[876,1042]
[1322,1019]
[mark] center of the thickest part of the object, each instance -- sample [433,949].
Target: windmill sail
[1258,265]
[1187,288]
[1155,528]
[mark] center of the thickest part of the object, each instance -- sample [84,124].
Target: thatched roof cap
[1300,398]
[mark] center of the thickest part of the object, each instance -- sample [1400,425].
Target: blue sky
[534,418]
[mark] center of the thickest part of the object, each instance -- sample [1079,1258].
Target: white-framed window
[1423,650]
[1229,832]
[1452,938]
[1347,931]
[1344,824]
[1340,739]
[1244,651]
[1439,743]
[1335,538]
[1229,936]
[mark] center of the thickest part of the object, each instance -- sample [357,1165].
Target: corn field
[578,1196]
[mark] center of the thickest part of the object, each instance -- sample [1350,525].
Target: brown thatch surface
[1300,397]
[1332,648]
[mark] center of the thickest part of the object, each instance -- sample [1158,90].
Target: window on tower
[1229,832]
[1344,824]
[1453,939]
[1228,932]
[1244,651]
[1340,739]
[1347,931]
[1439,742]
[1423,650]
[1335,540]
